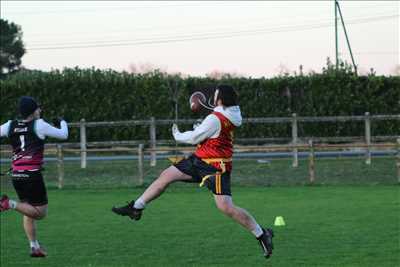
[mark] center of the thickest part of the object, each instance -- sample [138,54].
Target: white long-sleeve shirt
[42,129]
[210,127]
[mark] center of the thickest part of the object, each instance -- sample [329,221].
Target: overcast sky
[249,38]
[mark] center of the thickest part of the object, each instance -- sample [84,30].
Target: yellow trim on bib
[221,162]
[204,179]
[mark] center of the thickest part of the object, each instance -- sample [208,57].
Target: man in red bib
[210,165]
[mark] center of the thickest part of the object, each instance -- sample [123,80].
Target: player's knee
[167,177]
[163,180]
[40,217]
[40,214]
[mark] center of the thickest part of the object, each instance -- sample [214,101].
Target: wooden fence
[294,120]
[311,148]
[294,145]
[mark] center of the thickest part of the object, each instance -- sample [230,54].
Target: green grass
[124,174]
[326,226]
[351,218]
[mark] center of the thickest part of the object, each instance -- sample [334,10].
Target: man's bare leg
[225,205]
[134,208]
[168,176]
[30,215]
[243,217]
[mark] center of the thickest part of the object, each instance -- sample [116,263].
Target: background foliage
[11,48]
[107,95]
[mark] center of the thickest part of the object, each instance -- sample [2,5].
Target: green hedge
[107,95]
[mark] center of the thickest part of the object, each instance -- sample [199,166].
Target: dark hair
[26,106]
[227,95]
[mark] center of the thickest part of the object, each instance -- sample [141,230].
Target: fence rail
[311,147]
[237,148]
[294,120]
[245,120]
[293,143]
[163,142]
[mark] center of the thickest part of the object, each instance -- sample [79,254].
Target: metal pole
[83,143]
[311,162]
[336,36]
[153,156]
[347,38]
[140,164]
[295,163]
[398,160]
[367,138]
[176,92]
[60,166]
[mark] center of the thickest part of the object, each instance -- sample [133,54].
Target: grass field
[337,171]
[341,224]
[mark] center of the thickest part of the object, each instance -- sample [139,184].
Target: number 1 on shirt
[22,139]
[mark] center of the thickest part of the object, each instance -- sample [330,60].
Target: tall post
[367,138]
[140,164]
[336,35]
[60,166]
[347,38]
[83,143]
[398,160]
[295,163]
[311,162]
[153,155]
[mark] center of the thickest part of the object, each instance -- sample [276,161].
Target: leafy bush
[107,95]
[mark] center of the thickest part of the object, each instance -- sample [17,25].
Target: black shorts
[216,181]
[30,187]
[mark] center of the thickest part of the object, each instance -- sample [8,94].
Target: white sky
[250,38]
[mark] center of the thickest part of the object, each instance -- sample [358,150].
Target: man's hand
[175,129]
[197,124]
[57,122]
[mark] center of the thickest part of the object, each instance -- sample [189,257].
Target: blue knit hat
[27,105]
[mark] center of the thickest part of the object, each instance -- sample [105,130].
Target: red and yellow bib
[218,151]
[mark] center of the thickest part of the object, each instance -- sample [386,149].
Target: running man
[27,139]
[210,165]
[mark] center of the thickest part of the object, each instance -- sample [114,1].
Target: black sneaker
[265,241]
[38,252]
[129,210]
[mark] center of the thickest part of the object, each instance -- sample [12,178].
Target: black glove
[57,122]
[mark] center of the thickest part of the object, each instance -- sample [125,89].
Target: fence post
[60,166]
[367,138]
[83,143]
[153,155]
[295,163]
[398,160]
[311,162]
[140,164]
